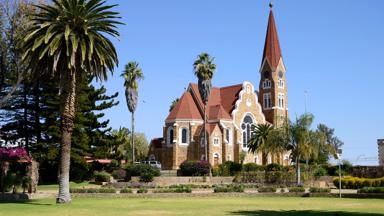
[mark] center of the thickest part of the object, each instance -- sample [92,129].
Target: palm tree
[65,39]
[302,141]
[132,74]
[204,69]
[260,140]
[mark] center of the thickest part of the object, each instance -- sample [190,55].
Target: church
[231,111]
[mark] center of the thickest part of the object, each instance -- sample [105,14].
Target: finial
[270,5]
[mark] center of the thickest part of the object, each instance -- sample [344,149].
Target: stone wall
[167,181]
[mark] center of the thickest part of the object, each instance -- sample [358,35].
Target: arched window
[228,136]
[202,143]
[170,135]
[216,159]
[246,127]
[184,136]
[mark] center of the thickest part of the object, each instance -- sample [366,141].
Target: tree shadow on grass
[299,212]
[24,202]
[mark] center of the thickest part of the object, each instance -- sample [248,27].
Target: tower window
[267,101]
[267,84]
[280,83]
[170,135]
[281,100]
[216,141]
[184,136]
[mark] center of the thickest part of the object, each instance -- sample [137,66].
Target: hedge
[267,190]
[319,190]
[141,169]
[228,189]
[92,190]
[179,189]
[126,190]
[371,190]
[272,177]
[142,190]
[296,189]
[102,176]
[350,182]
[194,168]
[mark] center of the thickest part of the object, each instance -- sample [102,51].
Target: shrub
[12,181]
[92,190]
[190,186]
[146,177]
[107,190]
[229,168]
[142,190]
[126,190]
[102,176]
[25,182]
[296,189]
[139,169]
[320,171]
[349,182]
[319,190]
[252,167]
[250,177]
[119,173]
[178,189]
[273,167]
[228,188]
[194,168]
[371,190]
[269,189]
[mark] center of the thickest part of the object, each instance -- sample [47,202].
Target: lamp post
[338,156]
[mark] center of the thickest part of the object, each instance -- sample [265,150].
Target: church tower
[273,84]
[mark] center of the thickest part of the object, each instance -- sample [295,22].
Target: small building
[231,112]
[380,145]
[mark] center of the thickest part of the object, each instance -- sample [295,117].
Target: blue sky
[331,49]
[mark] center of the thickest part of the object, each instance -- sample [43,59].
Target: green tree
[267,139]
[333,143]
[123,139]
[132,74]
[13,25]
[204,69]
[302,141]
[68,38]
[173,104]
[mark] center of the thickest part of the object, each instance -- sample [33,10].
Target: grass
[55,187]
[246,206]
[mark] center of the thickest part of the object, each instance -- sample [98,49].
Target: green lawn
[198,206]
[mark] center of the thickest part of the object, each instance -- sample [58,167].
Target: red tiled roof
[272,51]
[185,109]
[221,101]
[220,104]
[229,96]
[218,112]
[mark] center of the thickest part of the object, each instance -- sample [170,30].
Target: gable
[247,103]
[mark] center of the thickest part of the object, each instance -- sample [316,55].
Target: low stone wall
[167,181]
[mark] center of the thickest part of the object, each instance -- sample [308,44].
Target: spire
[272,51]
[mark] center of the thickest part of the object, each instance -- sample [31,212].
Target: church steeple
[273,85]
[272,51]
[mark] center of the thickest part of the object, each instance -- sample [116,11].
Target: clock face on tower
[267,74]
[281,74]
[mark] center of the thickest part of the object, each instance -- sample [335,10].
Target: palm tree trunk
[298,181]
[205,138]
[133,137]
[67,101]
